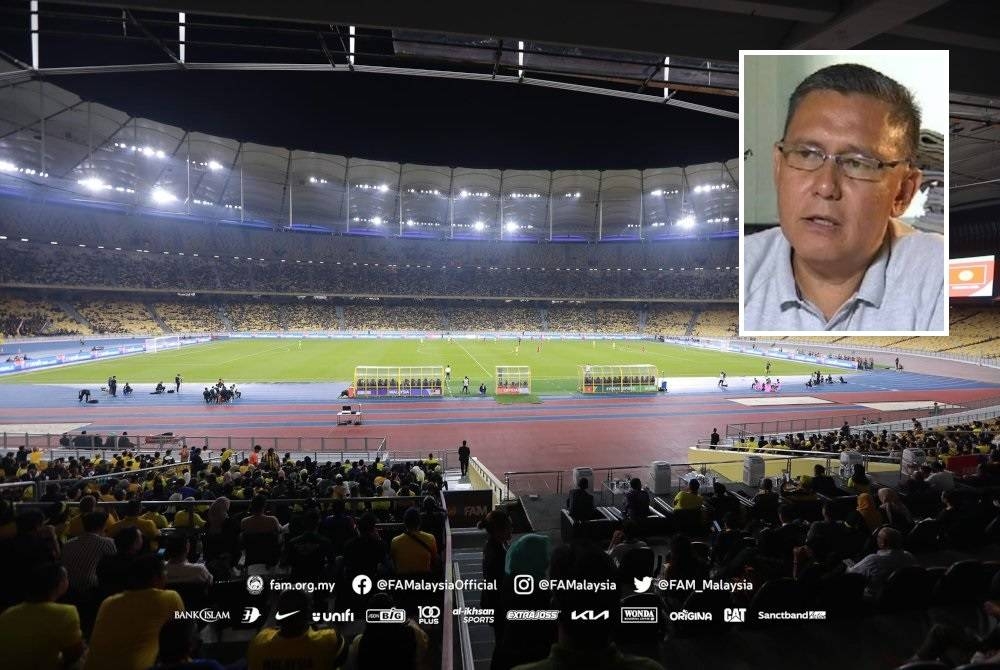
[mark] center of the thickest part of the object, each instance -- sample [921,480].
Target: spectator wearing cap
[294,644]
[413,551]
[82,555]
[39,632]
[408,642]
[126,632]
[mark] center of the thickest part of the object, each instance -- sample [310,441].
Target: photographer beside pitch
[844,171]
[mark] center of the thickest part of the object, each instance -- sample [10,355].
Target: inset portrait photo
[843,205]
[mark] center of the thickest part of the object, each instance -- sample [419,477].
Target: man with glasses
[844,173]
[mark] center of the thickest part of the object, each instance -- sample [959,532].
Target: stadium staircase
[468,556]
[224,318]
[543,317]
[157,318]
[341,321]
[72,313]
[689,331]
[642,320]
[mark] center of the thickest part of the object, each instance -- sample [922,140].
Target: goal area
[395,381]
[155,344]
[513,380]
[617,379]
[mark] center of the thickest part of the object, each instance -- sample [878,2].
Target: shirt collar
[872,289]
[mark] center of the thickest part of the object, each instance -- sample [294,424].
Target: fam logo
[255,585]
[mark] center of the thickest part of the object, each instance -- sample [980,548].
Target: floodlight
[686,222]
[383,187]
[479,225]
[409,222]
[160,154]
[214,165]
[92,183]
[7,166]
[377,220]
[511,226]
[162,196]
[463,194]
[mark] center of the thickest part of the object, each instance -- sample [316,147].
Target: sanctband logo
[640,615]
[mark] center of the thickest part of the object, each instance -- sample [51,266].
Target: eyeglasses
[855,166]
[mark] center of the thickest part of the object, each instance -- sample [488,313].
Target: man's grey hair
[848,78]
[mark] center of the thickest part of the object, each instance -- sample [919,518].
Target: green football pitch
[554,364]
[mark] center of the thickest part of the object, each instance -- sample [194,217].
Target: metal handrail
[464,639]
[447,623]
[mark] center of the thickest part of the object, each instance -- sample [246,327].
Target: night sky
[379,117]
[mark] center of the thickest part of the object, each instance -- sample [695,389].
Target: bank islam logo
[524,585]
[255,585]
[208,616]
[642,585]
[429,614]
[250,614]
[362,585]
[734,614]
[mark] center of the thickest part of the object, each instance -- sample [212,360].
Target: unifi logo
[347,616]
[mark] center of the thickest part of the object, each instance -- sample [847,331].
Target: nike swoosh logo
[279,616]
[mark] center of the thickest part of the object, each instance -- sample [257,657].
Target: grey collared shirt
[902,290]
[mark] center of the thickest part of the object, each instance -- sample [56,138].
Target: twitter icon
[642,585]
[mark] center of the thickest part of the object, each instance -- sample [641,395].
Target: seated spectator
[408,642]
[258,521]
[366,554]
[88,504]
[889,557]
[40,632]
[132,519]
[859,481]
[866,515]
[722,502]
[432,519]
[798,492]
[893,511]
[294,644]
[779,542]
[765,503]
[585,644]
[179,569]
[339,527]
[580,502]
[940,479]
[628,538]
[113,569]
[689,499]
[187,517]
[681,562]
[82,555]
[636,501]
[823,483]
[916,484]
[414,551]
[827,532]
[179,644]
[126,633]
[958,522]
[307,554]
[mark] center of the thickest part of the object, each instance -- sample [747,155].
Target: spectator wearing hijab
[866,516]
[894,512]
